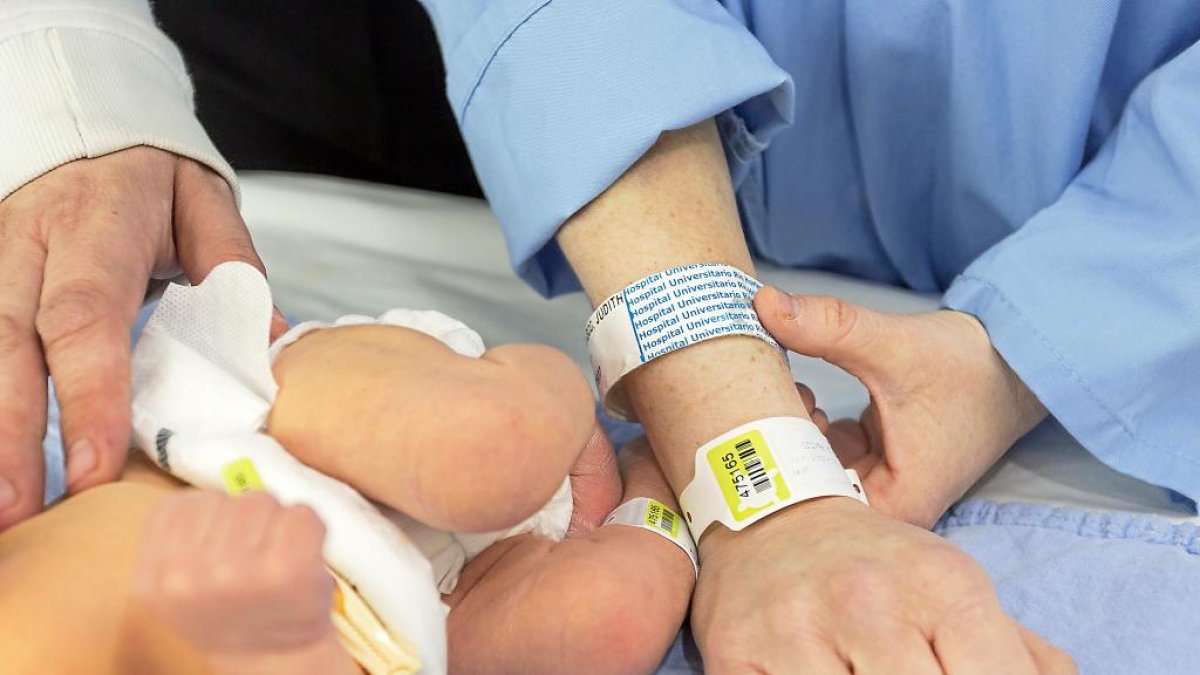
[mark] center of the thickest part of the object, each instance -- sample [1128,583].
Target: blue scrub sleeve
[557,98]
[1095,302]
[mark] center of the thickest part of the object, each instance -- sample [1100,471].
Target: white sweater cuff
[85,79]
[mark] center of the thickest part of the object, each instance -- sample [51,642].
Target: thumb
[208,228]
[853,338]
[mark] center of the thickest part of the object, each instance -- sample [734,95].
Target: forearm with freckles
[676,206]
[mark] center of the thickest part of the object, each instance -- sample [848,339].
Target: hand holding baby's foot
[944,404]
[242,580]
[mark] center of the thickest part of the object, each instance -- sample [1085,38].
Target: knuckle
[15,336]
[176,585]
[306,521]
[257,502]
[973,611]
[225,576]
[839,315]
[75,310]
[279,573]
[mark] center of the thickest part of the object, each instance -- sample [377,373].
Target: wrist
[1025,410]
[717,541]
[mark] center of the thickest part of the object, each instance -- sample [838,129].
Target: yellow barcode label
[661,516]
[241,477]
[749,478]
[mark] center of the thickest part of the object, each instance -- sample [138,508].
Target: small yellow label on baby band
[241,477]
[749,478]
[659,515]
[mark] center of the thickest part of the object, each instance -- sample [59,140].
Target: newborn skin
[507,428]
[610,601]
[458,443]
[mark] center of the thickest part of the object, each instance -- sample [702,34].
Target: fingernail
[8,493]
[81,459]
[788,304]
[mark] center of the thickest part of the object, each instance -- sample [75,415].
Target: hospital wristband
[662,313]
[654,516]
[759,468]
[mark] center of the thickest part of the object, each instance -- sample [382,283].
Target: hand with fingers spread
[78,247]
[243,581]
[944,404]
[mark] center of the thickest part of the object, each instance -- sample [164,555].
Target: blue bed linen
[1117,591]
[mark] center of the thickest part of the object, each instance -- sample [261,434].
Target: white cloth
[202,390]
[84,78]
[447,551]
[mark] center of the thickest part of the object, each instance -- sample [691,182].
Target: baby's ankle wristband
[654,516]
[759,468]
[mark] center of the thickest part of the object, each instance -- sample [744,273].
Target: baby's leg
[459,443]
[610,601]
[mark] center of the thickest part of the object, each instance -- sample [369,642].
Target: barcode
[754,468]
[666,521]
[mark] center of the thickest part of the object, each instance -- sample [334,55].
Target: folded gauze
[202,391]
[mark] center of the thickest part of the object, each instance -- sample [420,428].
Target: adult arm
[1095,302]
[557,103]
[107,180]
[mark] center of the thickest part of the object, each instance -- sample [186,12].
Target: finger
[96,272]
[982,640]
[820,419]
[1048,659]
[22,378]
[208,228]
[853,338]
[806,656]
[297,531]
[851,444]
[279,324]
[243,524]
[901,652]
[198,517]
[807,395]
[176,523]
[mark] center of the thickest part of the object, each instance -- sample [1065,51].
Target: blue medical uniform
[1037,162]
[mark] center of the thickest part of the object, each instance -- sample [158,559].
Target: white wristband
[759,468]
[654,516]
[663,312]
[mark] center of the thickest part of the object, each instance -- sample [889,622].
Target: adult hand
[77,248]
[831,586]
[944,404]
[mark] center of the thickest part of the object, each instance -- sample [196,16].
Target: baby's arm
[458,443]
[610,601]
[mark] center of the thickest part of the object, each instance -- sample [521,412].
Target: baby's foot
[243,581]
[595,484]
